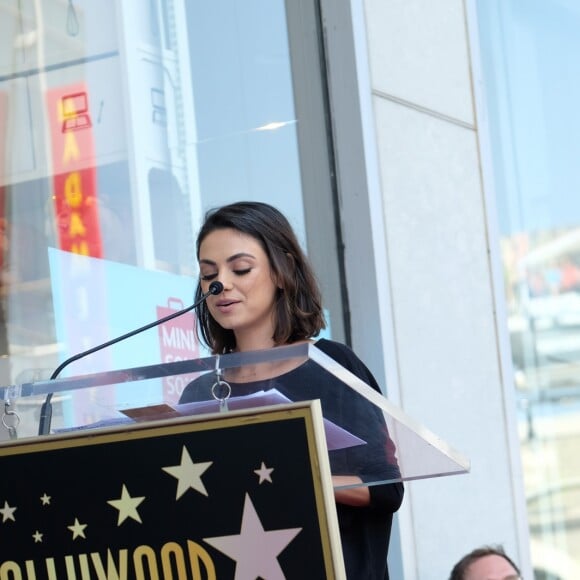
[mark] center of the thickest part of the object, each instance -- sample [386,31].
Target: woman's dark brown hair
[298,308]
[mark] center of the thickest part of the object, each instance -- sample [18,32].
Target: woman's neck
[253,341]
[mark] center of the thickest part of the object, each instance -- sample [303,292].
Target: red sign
[73,154]
[177,341]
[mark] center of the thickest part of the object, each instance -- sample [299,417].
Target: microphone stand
[46,409]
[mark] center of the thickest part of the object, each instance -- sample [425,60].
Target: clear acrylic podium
[356,417]
[236,482]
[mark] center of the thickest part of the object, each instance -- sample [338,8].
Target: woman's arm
[356,496]
[387,497]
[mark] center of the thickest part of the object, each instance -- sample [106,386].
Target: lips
[225,306]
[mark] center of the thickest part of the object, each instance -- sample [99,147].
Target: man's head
[486,563]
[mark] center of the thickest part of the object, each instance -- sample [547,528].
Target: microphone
[215,288]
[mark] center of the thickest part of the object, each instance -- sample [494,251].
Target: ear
[277,279]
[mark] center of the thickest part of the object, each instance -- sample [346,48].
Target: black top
[364,531]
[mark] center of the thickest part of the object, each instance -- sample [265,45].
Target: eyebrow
[230,259]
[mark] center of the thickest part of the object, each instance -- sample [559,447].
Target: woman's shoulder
[336,350]
[345,356]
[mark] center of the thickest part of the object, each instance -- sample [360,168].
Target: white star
[7,512]
[127,506]
[264,473]
[45,499]
[78,529]
[37,537]
[188,474]
[254,549]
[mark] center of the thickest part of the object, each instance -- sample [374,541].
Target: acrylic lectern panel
[366,435]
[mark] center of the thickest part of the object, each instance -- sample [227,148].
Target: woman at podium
[271,298]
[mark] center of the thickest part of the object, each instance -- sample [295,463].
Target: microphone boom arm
[46,409]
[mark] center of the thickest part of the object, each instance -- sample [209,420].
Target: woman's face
[246,304]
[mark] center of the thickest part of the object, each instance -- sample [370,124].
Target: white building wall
[453,371]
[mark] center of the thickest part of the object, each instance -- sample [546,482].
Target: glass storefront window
[532,90]
[121,123]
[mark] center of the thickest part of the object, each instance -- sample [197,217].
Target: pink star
[254,549]
[264,473]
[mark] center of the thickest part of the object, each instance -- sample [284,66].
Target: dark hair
[459,570]
[298,307]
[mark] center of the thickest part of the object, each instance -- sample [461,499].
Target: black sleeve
[377,460]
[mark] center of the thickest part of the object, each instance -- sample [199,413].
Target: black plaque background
[81,479]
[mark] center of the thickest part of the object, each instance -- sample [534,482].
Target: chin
[225,324]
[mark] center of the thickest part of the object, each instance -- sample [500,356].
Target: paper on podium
[336,437]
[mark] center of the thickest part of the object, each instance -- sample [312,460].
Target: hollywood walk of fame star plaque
[245,494]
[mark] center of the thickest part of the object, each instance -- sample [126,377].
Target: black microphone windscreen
[216,287]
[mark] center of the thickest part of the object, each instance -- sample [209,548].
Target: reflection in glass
[120,124]
[532,92]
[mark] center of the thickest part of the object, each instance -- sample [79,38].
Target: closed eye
[207,277]
[242,272]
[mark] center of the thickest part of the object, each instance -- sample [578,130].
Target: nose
[226,280]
